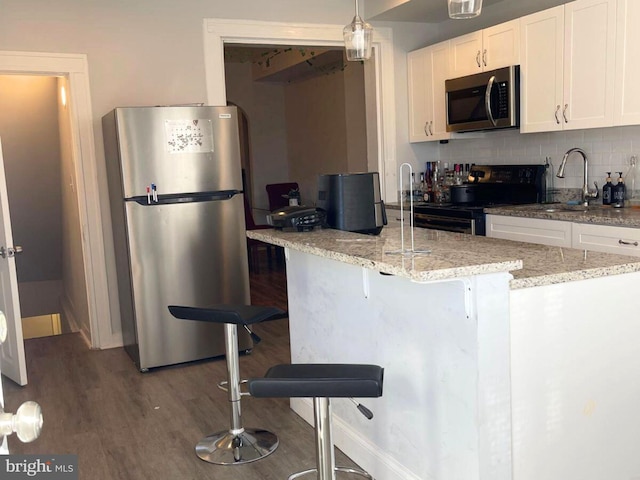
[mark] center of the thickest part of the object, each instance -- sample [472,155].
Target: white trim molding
[218,32]
[75,67]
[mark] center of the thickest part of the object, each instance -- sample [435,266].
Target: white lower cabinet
[584,236]
[601,238]
[532,230]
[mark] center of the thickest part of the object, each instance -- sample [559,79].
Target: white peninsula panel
[576,380]
[444,346]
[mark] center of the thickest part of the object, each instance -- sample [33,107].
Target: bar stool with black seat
[322,382]
[237,445]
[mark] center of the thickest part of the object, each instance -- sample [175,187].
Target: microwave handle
[487,100]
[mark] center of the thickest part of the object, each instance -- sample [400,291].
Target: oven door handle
[487,100]
[445,223]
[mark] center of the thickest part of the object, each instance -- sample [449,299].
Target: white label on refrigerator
[189,136]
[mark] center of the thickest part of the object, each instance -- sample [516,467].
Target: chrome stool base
[226,448]
[336,469]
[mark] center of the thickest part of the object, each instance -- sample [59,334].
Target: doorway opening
[41,184]
[379,77]
[306,109]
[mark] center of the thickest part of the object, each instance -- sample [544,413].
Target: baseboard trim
[366,454]
[68,312]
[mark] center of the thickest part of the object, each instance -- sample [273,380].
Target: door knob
[10,251]
[27,422]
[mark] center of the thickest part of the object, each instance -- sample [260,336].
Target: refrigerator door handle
[172,198]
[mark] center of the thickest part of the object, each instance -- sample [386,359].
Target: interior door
[4,448]
[12,357]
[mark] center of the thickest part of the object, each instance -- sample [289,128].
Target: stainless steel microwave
[484,101]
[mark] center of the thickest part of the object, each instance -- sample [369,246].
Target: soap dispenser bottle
[607,191]
[619,193]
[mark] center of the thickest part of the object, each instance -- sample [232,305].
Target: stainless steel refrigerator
[175,187]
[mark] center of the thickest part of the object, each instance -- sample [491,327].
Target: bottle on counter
[445,182]
[438,184]
[619,193]
[419,193]
[426,194]
[633,183]
[607,191]
[458,174]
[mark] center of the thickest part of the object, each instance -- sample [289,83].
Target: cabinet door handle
[484,57]
[430,129]
[556,114]
[624,242]
[564,113]
[478,59]
[426,126]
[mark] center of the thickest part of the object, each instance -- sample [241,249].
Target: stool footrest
[224,386]
[337,469]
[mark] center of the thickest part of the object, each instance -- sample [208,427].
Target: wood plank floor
[126,425]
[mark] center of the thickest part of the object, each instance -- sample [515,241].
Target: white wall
[74,289]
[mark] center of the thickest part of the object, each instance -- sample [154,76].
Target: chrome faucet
[586,193]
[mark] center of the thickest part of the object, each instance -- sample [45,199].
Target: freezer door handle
[171,198]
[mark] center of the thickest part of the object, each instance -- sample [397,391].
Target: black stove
[487,186]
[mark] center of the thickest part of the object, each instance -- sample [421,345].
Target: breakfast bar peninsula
[503,360]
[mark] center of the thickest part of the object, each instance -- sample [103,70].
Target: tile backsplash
[607,149]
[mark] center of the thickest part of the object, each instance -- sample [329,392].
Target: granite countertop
[596,214]
[453,255]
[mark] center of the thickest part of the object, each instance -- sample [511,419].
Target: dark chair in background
[254,246]
[277,193]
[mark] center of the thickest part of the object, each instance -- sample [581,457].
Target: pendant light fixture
[461,9]
[357,39]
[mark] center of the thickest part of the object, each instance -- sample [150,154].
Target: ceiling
[436,11]
[428,11]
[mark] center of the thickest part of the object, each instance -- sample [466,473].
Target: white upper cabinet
[427,70]
[466,54]
[568,66]
[541,71]
[627,93]
[501,45]
[488,49]
[419,101]
[589,63]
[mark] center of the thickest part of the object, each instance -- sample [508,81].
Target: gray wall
[29,131]
[324,133]
[301,129]
[263,102]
